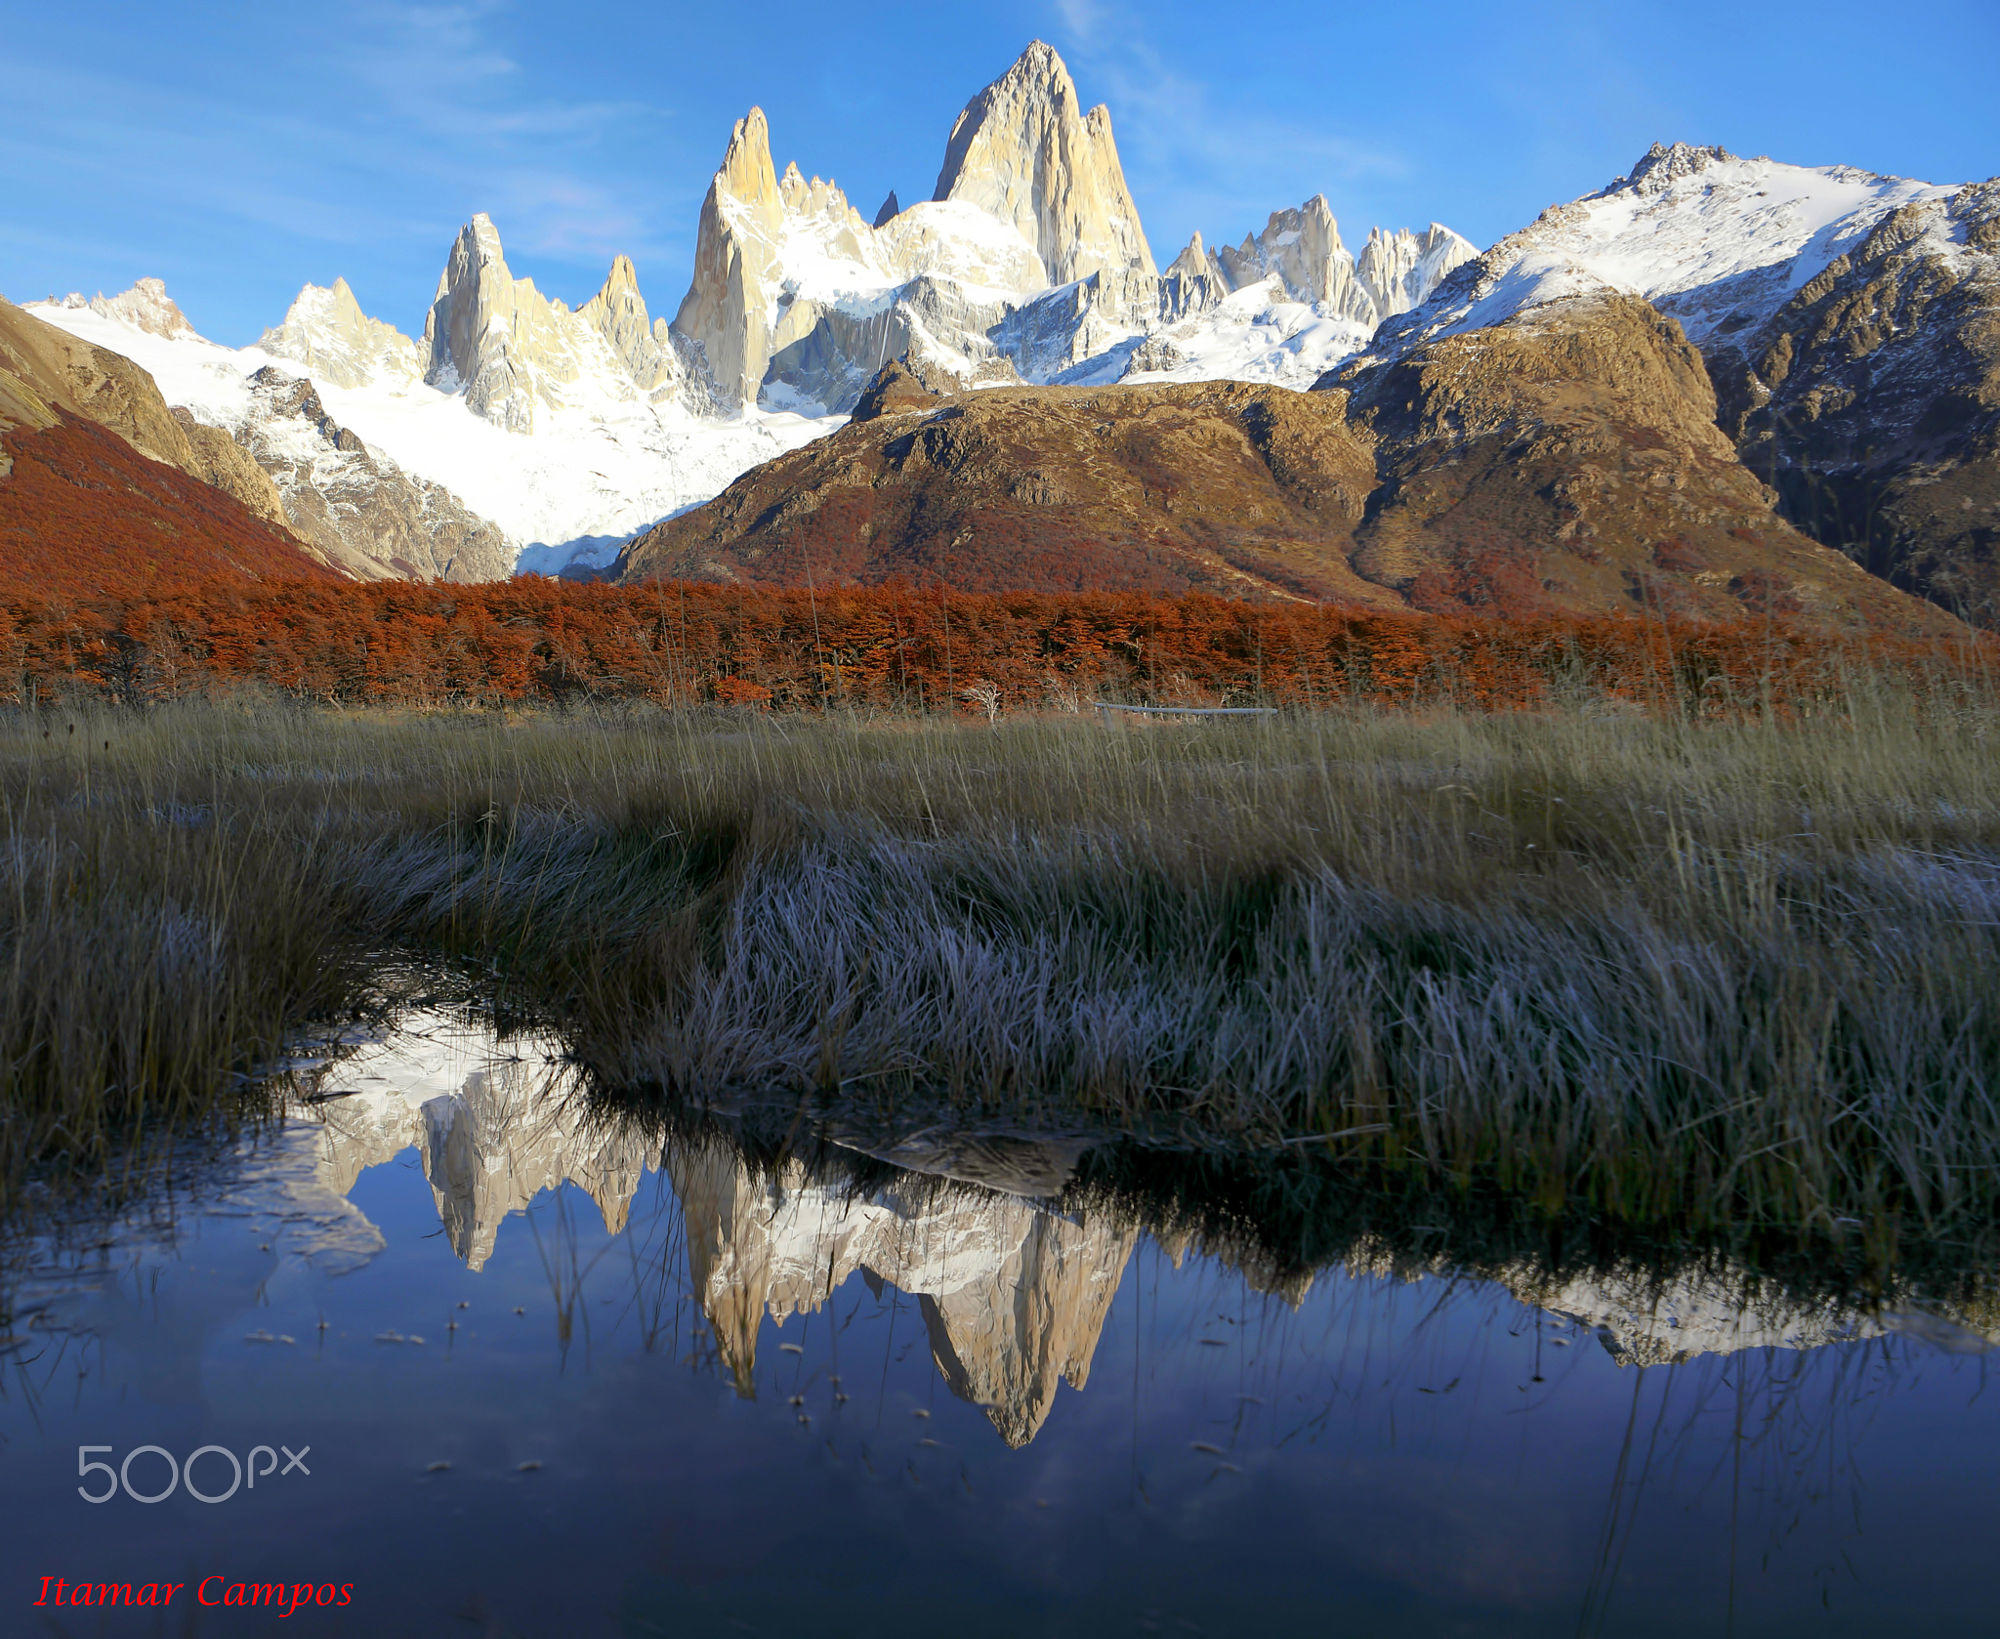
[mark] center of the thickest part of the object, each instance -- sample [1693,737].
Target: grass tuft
[1677,975]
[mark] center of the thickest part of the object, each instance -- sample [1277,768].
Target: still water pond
[550,1375]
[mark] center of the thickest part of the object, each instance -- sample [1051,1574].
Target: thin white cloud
[1084,20]
[439,72]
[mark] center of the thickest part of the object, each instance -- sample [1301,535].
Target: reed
[1663,972]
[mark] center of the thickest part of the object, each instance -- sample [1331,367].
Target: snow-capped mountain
[561,431]
[547,443]
[1849,321]
[1029,264]
[1718,242]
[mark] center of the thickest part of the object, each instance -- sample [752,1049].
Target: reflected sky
[567,1374]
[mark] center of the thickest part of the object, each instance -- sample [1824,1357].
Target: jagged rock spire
[1194,283]
[618,314]
[326,331]
[1023,150]
[890,210]
[1302,249]
[515,352]
[735,259]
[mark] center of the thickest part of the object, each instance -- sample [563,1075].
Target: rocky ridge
[1848,321]
[369,518]
[513,352]
[51,373]
[326,332]
[1845,321]
[1024,152]
[92,458]
[267,437]
[1029,263]
[1567,462]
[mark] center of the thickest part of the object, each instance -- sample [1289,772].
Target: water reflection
[496,1123]
[1013,1295]
[1361,1413]
[1014,1267]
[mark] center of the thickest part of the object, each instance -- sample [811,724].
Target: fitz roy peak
[1028,264]
[1023,151]
[562,431]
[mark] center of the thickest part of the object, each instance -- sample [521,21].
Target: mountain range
[1712,385]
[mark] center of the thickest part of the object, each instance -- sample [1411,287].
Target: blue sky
[239,150]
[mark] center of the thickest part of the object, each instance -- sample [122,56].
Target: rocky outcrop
[515,354]
[326,332]
[1399,270]
[1194,283]
[1568,460]
[1847,320]
[1024,151]
[1013,1295]
[735,264]
[644,346]
[887,211]
[896,390]
[370,518]
[1870,400]
[1303,250]
[146,306]
[1241,490]
[220,460]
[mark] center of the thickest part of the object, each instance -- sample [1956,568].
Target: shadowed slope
[1569,460]
[103,489]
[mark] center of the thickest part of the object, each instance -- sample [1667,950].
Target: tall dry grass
[1667,973]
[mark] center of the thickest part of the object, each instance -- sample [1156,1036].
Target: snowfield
[588,478]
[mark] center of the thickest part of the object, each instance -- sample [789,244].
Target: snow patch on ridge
[1259,334]
[1705,236]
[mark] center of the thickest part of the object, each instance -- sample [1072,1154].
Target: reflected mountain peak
[1013,1295]
[495,1122]
[1012,1245]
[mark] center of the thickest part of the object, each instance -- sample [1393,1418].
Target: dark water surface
[682,1391]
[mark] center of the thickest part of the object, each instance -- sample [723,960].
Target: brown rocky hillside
[1566,462]
[104,490]
[1871,399]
